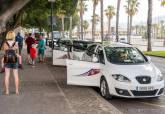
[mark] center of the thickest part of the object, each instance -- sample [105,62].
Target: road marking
[162,106]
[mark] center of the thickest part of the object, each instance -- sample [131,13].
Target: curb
[155,56]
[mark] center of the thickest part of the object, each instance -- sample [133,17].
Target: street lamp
[52,2]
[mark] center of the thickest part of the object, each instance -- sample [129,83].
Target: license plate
[146,88]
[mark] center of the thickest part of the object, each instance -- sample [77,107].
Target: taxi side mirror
[149,59]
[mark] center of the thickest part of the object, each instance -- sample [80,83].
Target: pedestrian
[33,54]
[29,42]
[19,64]
[41,49]
[19,39]
[10,48]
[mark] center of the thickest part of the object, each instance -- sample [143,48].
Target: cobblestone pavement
[44,91]
[84,99]
[39,94]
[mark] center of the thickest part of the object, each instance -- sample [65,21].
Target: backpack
[10,54]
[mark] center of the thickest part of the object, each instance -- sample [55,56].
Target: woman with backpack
[11,61]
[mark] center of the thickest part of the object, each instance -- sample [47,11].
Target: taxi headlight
[159,78]
[120,78]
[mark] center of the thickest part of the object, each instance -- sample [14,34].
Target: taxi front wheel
[104,89]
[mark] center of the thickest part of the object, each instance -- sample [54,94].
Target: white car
[118,70]
[123,40]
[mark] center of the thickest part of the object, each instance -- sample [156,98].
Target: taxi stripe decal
[91,72]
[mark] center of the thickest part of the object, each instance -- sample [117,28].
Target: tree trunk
[161,34]
[102,23]
[78,30]
[109,26]
[84,34]
[149,25]
[62,19]
[10,11]
[130,31]
[81,19]
[102,19]
[110,30]
[117,20]
[93,22]
[128,24]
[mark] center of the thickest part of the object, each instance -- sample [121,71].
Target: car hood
[131,71]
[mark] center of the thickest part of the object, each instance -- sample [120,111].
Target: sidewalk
[44,91]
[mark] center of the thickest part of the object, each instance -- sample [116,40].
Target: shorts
[11,65]
[41,52]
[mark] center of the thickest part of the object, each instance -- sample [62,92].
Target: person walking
[29,42]
[19,39]
[33,55]
[10,48]
[41,49]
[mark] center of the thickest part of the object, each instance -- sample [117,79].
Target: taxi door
[83,73]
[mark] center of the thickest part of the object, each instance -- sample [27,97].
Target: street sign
[53,20]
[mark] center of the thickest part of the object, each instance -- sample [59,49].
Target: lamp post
[52,2]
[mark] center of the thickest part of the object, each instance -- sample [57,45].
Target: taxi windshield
[124,55]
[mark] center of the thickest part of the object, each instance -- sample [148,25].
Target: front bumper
[127,90]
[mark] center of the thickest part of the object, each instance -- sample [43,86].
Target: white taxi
[118,70]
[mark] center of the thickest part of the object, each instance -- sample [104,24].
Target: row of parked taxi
[117,69]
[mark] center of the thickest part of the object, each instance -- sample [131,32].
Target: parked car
[62,52]
[123,40]
[118,70]
[56,37]
[76,50]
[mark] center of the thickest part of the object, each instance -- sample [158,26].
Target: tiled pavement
[44,91]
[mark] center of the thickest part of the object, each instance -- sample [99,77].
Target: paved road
[143,106]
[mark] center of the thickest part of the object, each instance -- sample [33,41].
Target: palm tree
[110,12]
[162,28]
[117,20]
[132,9]
[128,18]
[95,3]
[102,20]
[163,4]
[149,24]
[155,27]
[83,8]
[61,14]
[95,22]
[137,29]
[85,26]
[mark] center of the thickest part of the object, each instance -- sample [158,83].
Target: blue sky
[139,18]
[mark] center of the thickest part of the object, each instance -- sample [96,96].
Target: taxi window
[91,50]
[100,55]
